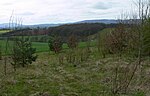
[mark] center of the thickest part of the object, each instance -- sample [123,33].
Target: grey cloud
[103,5]
[100,14]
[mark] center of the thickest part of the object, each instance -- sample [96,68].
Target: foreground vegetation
[93,77]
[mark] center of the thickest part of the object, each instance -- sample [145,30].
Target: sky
[61,11]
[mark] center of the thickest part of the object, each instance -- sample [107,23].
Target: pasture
[4,31]
[40,47]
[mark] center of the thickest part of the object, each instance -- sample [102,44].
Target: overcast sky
[61,11]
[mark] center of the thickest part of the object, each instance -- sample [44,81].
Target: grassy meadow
[4,31]
[49,77]
[40,47]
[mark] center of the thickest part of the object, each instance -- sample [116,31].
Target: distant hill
[105,21]
[6,25]
[42,25]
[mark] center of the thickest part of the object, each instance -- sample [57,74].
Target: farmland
[40,47]
[3,31]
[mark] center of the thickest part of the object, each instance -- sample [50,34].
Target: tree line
[81,30]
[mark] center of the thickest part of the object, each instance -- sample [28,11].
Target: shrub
[55,44]
[0,53]
[116,41]
[146,40]
[23,53]
[72,42]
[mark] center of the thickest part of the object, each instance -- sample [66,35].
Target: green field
[4,31]
[40,47]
